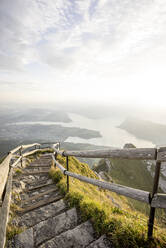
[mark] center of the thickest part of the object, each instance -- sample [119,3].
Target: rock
[79,237]
[129,145]
[22,185]
[105,176]
[102,242]
[108,165]
[24,239]
[40,214]
[53,226]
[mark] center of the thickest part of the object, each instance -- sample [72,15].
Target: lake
[111,134]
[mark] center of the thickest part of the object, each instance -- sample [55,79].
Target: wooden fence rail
[6,170]
[159,201]
[4,210]
[134,153]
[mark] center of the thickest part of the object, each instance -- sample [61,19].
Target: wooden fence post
[154,191]
[67,168]
[55,156]
[21,155]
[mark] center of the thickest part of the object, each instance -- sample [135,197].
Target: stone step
[37,166]
[35,170]
[40,204]
[34,180]
[24,195]
[45,158]
[22,240]
[38,187]
[48,161]
[37,215]
[46,154]
[40,163]
[102,242]
[38,195]
[35,173]
[79,237]
[45,230]
[51,227]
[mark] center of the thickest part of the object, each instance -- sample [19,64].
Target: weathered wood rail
[154,199]
[134,153]
[6,171]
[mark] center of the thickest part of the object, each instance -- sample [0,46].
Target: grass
[2,159]
[131,173]
[16,196]
[12,230]
[18,171]
[124,226]
[14,209]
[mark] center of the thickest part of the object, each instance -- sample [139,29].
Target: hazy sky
[81,50]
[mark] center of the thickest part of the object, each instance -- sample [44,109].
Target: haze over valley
[110,126]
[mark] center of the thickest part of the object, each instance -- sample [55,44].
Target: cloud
[82,43]
[18,86]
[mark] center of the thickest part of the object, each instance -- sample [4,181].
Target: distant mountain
[20,125]
[33,114]
[147,130]
[45,132]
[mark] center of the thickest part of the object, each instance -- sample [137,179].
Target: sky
[108,51]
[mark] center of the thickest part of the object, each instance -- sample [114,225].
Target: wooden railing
[6,172]
[154,199]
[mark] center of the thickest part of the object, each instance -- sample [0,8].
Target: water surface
[111,134]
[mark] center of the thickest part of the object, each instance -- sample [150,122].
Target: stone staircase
[43,215]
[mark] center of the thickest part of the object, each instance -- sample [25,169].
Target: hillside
[147,130]
[137,174]
[131,173]
[109,212]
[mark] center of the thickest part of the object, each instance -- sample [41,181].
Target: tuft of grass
[18,171]
[116,210]
[16,196]
[55,174]
[125,228]
[12,230]
[14,208]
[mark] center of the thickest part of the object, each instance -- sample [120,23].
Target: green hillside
[131,173]
[110,213]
